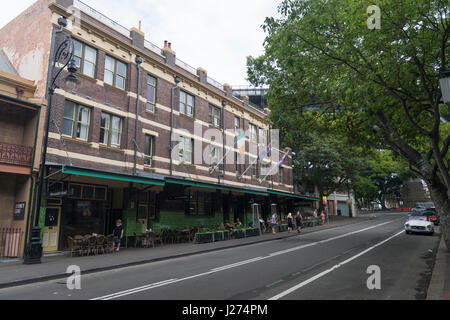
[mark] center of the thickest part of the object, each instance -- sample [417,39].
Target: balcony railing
[15,154]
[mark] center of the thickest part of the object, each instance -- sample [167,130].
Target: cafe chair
[100,244]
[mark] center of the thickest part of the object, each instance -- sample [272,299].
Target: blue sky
[216,35]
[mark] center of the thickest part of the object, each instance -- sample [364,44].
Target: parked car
[419,224]
[431,215]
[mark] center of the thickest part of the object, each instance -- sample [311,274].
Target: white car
[419,224]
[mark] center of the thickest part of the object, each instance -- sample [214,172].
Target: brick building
[109,152]
[19,156]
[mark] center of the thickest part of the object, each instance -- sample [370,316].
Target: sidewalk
[54,267]
[439,288]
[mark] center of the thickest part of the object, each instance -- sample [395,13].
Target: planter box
[204,237]
[282,228]
[226,235]
[238,234]
[218,236]
[252,232]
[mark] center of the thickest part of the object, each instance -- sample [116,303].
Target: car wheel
[408,232]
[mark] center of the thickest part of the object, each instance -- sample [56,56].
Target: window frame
[115,73]
[83,59]
[185,104]
[110,130]
[253,133]
[148,156]
[153,87]
[212,116]
[182,141]
[75,121]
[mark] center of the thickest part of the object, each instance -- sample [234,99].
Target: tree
[325,163]
[377,87]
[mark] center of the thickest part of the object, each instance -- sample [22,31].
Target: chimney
[169,53]
[228,90]
[202,75]
[137,36]
[246,99]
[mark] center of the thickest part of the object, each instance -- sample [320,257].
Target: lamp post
[64,55]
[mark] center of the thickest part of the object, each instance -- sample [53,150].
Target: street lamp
[65,55]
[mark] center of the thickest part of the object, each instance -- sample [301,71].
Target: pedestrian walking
[322,216]
[298,221]
[290,222]
[274,223]
[315,213]
[118,234]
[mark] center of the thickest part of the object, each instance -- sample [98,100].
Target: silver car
[419,224]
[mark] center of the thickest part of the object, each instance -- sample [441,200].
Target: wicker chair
[137,240]
[91,244]
[109,243]
[100,244]
[156,237]
[74,246]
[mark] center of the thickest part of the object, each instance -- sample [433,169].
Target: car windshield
[418,218]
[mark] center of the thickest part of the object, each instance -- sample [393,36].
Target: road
[326,264]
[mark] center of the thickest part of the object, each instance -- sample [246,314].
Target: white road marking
[234,265]
[304,283]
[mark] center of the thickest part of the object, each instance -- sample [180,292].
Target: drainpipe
[138,61]
[172,97]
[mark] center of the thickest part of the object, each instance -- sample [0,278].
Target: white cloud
[216,35]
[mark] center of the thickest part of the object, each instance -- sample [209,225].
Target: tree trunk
[441,201]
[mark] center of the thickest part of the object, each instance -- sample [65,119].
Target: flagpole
[231,148]
[278,165]
[266,151]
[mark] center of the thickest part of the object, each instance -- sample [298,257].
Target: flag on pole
[277,166]
[264,153]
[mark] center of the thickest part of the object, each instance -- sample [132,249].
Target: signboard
[324,200]
[19,211]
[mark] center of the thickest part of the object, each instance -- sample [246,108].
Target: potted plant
[238,233]
[204,237]
[251,232]
[218,235]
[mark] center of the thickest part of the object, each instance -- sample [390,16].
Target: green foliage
[370,89]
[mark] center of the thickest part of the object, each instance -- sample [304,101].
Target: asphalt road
[327,264]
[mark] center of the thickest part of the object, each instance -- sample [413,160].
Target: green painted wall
[178,219]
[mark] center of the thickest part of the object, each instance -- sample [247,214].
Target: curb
[136,263]
[437,282]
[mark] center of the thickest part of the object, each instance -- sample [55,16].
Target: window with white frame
[115,73]
[186,104]
[237,126]
[151,93]
[185,147]
[85,58]
[214,154]
[254,170]
[215,116]
[149,150]
[280,175]
[253,134]
[76,121]
[262,137]
[110,130]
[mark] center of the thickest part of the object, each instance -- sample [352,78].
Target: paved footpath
[439,288]
[54,267]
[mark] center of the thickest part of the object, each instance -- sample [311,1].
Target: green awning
[292,195]
[214,186]
[111,176]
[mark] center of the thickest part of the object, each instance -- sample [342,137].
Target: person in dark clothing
[290,221]
[118,234]
[298,221]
